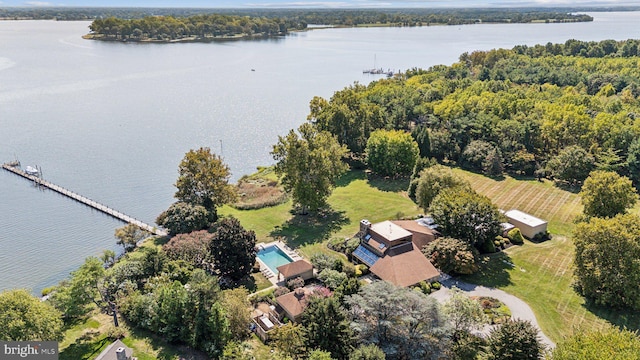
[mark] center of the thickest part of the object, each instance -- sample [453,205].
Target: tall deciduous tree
[405,324]
[572,164]
[464,314]
[633,161]
[589,344]
[421,135]
[204,180]
[516,340]
[24,317]
[237,305]
[290,339]
[233,249]
[181,218]
[367,352]
[192,247]
[391,153]
[309,165]
[466,215]
[606,260]
[434,179]
[129,235]
[607,194]
[74,296]
[327,327]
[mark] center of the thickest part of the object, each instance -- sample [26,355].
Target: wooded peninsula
[241,24]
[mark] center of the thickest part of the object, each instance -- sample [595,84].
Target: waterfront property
[391,254]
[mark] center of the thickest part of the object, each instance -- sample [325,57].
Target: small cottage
[529,225]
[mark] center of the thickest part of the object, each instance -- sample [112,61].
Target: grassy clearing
[358,196]
[87,339]
[542,274]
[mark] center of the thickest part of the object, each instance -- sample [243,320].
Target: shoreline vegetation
[253,25]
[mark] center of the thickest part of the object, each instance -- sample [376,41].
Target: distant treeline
[197,27]
[336,17]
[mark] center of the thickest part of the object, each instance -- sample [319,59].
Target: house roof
[390,231]
[109,353]
[524,218]
[294,302]
[413,226]
[295,268]
[405,269]
[422,235]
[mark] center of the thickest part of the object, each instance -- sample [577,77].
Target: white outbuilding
[529,225]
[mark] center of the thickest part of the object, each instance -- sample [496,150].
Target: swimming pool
[272,256]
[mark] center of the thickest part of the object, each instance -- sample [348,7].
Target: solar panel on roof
[365,255]
[367,237]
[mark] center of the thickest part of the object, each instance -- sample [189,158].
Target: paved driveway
[519,309]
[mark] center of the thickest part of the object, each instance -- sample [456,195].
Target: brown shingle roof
[422,235]
[295,268]
[405,269]
[109,353]
[294,302]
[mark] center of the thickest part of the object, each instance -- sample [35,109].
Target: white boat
[30,170]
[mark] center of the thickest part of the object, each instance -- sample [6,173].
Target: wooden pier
[84,200]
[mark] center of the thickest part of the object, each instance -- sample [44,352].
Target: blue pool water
[273,257]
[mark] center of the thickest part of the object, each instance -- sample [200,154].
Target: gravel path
[519,309]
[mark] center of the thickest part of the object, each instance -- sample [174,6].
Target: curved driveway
[519,309]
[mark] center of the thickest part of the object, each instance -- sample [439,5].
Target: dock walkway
[84,200]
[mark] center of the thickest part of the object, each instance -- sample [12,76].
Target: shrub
[425,287]
[452,256]
[337,244]
[332,278]
[488,246]
[436,285]
[515,236]
[323,261]
[115,333]
[351,245]
[295,283]
[281,290]
[364,269]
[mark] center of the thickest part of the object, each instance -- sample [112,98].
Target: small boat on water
[30,170]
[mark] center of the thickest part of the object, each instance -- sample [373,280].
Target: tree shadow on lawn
[311,228]
[389,184]
[88,346]
[493,271]
[622,318]
[351,176]
[166,351]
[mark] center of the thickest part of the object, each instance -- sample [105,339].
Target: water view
[111,121]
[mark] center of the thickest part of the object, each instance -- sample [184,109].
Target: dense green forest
[560,110]
[341,17]
[198,27]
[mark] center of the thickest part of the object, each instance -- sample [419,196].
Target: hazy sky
[317,3]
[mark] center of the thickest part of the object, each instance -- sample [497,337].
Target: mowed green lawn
[542,275]
[358,196]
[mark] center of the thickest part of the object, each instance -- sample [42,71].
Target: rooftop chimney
[121,354]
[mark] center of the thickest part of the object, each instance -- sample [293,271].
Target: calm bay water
[111,121]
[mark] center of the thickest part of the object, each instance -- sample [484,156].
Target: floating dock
[13,167]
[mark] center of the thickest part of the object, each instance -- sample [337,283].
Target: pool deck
[264,269]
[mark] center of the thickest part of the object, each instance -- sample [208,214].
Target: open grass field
[542,275]
[358,196]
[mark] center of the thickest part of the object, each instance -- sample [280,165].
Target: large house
[393,254]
